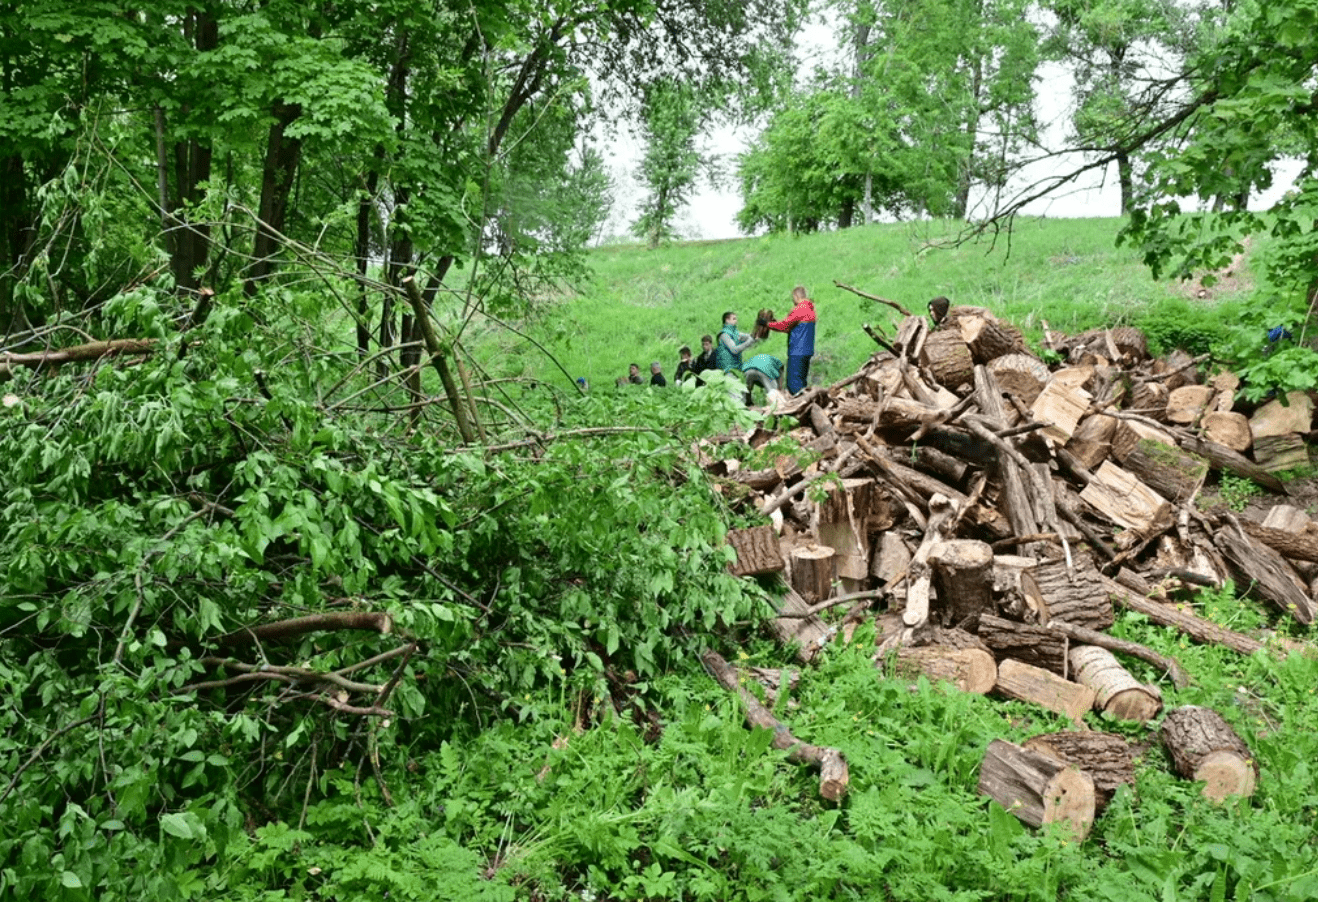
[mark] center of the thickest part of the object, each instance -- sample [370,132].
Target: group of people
[725,353]
[766,370]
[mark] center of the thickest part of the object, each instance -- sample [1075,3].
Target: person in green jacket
[727,352]
[763,370]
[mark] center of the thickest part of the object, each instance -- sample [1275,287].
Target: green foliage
[673,115]
[1194,328]
[1237,491]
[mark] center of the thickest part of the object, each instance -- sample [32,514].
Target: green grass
[642,305]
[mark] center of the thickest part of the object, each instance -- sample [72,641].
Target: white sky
[710,212]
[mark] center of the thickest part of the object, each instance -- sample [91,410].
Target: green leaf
[176,825]
[70,880]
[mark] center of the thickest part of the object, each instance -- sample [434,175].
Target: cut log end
[1225,774]
[1037,788]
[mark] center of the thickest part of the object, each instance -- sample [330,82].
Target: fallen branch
[299,626]
[870,297]
[833,776]
[1168,665]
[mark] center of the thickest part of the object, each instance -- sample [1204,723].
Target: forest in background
[309,589]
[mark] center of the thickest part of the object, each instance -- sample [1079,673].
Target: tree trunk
[1104,757]
[1039,789]
[282,155]
[1205,748]
[1126,178]
[1044,688]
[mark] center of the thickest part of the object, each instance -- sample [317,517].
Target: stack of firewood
[988,511]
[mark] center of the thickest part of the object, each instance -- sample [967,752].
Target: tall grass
[642,305]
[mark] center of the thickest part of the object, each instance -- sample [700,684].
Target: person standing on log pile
[727,354]
[938,308]
[800,328]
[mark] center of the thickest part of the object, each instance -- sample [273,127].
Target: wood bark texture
[1205,748]
[1039,789]
[1105,757]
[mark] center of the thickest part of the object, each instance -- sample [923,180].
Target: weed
[1236,491]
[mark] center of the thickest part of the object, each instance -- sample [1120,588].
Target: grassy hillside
[642,305]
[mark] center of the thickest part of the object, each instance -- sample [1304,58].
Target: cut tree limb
[832,765]
[1116,691]
[1105,757]
[1026,683]
[1204,747]
[1039,789]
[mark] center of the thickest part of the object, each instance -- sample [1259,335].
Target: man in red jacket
[800,328]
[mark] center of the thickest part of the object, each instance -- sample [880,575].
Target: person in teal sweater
[763,370]
[727,352]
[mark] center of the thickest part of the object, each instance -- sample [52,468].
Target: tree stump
[1104,757]
[1116,691]
[962,582]
[969,669]
[813,572]
[1204,747]
[1131,343]
[1025,683]
[1039,789]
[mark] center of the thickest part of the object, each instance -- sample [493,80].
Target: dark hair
[706,338]
[939,307]
[685,350]
[726,315]
[637,365]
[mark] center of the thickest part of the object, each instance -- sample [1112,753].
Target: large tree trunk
[282,155]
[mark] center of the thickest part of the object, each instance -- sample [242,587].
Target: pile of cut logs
[988,511]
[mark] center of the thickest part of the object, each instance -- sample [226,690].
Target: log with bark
[1116,692]
[813,569]
[1266,573]
[1031,643]
[1077,596]
[1204,748]
[757,551]
[1039,789]
[962,582]
[970,669]
[1105,757]
[832,765]
[1026,683]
